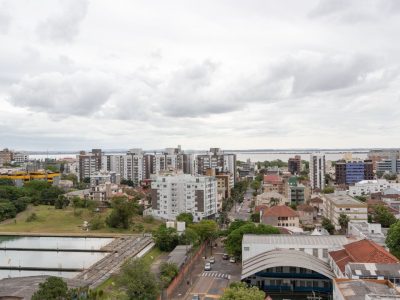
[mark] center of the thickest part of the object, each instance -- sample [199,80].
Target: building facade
[337,204]
[350,172]
[175,194]
[317,171]
[294,165]
[89,163]
[216,159]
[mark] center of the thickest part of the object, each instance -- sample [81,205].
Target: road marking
[215,274]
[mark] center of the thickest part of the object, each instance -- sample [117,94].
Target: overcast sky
[77,74]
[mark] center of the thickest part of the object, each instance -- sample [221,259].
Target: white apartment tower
[175,194]
[317,171]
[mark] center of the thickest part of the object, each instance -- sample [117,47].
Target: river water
[48,259]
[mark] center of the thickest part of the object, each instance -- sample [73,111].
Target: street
[241,211]
[210,284]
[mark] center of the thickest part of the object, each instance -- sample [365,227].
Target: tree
[274,201]
[166,239]
[54,288]
[206,229]
[185,217]
[255,217]
[122,213]
[255,185]
[240,291]
[168,271]
[327,224]
[6,181]
[7,210]
[233,243]
[390,176]
[393,239]
[383,216]
[127,182]
[189,237]
[328,190]
[138,281]
[361,198]
[343,221]
[61,202]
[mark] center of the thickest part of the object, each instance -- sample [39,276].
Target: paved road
[211,284]
[240,212]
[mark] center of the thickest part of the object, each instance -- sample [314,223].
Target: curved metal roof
[285,258]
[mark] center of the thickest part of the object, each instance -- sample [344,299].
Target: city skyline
[259,75]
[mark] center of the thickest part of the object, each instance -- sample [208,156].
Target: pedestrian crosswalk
[216,274]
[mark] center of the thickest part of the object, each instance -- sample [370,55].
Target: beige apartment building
[337,204]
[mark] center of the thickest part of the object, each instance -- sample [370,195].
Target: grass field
[68,220]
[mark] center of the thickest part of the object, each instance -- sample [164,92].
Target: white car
[212,259]
[207,267]
[232,259]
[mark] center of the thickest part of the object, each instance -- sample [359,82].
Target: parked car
[207,267]
[225,256]
[196,297]
[232,259]
[249,210]
[212,259]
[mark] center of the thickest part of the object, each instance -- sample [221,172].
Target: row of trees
[234,234]
[15,199]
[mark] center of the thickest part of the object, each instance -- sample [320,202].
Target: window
[315,252]
[246,248]
[325,253]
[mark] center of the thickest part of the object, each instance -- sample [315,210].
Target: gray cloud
[72,94]
[5,21]
[64,27]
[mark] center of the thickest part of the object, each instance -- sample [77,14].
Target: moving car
[212,259]
[232,259]
[207,267]
[225,256]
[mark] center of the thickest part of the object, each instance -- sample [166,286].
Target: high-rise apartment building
[216,159]
[391,165]
[294,165]
[175,194]
[6,156]
[317,170]
[350,172]
[89,163]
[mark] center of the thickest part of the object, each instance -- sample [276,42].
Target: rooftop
[343,199]
[275,179]
[280,211]
[287,239]
[359,289]
[178,255]
[363,251]
[305,207]
[372,270]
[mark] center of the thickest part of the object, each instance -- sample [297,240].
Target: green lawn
[68,220]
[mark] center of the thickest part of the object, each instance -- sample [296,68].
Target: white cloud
[64,26]
[153,74]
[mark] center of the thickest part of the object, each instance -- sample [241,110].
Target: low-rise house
[363,251]
[306,214]
[389,272]
[318,204]
[280,216]
[367,289]
[340,203]
[271,198]
[365,230]
[275,183]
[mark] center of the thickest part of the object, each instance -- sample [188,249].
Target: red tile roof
[272,179]
[260,207]
[316,200]
[280,211]
[305,207]
[363,251]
